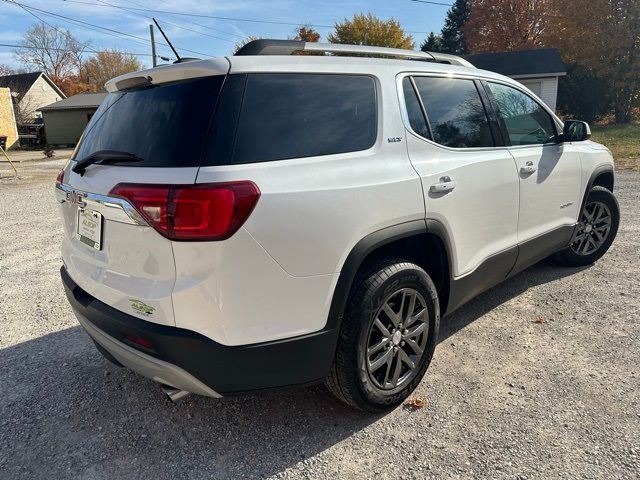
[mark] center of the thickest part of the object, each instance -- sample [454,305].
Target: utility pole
[153,45]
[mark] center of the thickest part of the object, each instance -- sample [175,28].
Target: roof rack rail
[288,47]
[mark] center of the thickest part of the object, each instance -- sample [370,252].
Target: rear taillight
[209,211]
[60,177]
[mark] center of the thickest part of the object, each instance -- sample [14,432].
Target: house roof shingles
[543,61]
[19,82]
[81,100]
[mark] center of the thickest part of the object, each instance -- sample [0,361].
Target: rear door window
[286,116]
[165,125]
[455,112]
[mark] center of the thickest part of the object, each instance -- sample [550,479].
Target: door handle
[528,168]
[445,185]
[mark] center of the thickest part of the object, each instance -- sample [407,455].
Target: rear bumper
[190,361]
[146,365]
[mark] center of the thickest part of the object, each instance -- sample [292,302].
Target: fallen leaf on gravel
[414,403]
[538,320]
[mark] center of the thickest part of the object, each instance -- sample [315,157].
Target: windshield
[164,125]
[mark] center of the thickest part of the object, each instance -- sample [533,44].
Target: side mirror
[576,131]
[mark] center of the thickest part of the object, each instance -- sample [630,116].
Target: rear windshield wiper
[105,156]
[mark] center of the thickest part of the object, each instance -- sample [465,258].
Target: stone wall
[7,119]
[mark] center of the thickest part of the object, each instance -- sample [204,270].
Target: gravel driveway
[537,378]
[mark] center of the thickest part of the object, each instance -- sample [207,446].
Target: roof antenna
[167,39]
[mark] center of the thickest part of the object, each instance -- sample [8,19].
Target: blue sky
[207,36]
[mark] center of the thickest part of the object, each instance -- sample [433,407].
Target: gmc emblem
[76,198]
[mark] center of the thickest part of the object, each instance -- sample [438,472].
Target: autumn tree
[453,35]
[498,25]
[609,47]
[74,84]
[306,34]
[52,50]
[105,65]
[370,30]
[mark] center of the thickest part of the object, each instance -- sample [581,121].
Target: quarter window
[416,117]
[524,119]
[455,112]
[293,116]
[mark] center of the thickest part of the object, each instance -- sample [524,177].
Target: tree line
[71,64]
[599,40]
[600,44]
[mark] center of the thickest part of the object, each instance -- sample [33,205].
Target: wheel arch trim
[356,257]
[600,171]
[374,241]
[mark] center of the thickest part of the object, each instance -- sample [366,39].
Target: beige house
[8,126]
[31,91]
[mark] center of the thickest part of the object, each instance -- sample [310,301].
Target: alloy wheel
[397,339]
[593,229]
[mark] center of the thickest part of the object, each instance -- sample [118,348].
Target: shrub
[48,151]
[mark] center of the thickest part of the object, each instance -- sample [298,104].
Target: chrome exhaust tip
[174,394]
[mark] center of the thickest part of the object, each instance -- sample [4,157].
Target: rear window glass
[292,116]
[164,125]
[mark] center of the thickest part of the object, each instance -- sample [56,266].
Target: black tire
[569,256]
[374,290]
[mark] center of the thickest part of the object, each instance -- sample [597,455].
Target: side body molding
[491,272]
[499,266]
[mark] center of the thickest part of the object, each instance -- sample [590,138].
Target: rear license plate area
[89,228]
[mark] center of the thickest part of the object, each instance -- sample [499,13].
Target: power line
[111,31]
[46,23]
[236,19]
[9,45]
[85,47]
[434,3]
[88,26]
[215,17]
[150,18]
[207,27]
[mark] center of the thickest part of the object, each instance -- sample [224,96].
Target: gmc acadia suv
[274,219]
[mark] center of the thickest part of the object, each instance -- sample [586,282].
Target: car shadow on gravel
[65,412]
[544,272]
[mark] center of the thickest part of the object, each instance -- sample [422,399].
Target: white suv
[268,219]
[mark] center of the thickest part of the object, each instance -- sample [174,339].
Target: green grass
[623,141]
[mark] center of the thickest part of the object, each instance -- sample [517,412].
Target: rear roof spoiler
[289,47]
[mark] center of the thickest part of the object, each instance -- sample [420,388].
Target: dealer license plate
[89,229]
